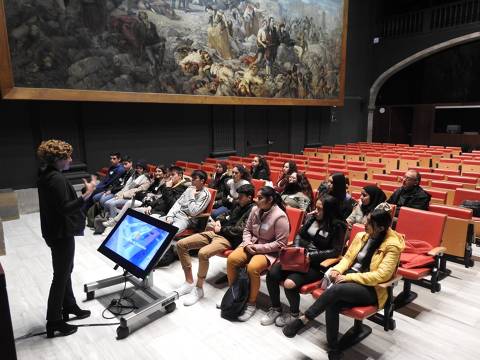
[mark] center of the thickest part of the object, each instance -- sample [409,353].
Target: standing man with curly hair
[61,219]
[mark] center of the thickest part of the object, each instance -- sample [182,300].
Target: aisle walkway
[438,326]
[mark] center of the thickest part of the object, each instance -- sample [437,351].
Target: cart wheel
[170,307]
[471,263]
[393,324]
[90,295]
[122,332]
[437,287]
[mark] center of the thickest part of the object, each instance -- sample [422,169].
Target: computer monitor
[137,242]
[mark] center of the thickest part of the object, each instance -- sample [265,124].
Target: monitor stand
[156,299]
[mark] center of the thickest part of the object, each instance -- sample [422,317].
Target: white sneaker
[193,297]
[185,289]
[109,223]
[284,319]
[219,304]
[249,311]
[270,317]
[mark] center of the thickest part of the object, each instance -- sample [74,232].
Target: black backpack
[236,297]
[92,213]
[472,204]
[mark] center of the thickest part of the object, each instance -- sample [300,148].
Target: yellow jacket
[382,267]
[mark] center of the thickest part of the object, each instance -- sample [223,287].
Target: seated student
[293,194]
[410,194]
[260,168]
[288,168]
[323,235]
[118,185]
[142,199]
[370,197]
[138,182]
[265,234]
[337,187]
[371,259]
[240,176]
[169,193]
[307,190]
[114,174]
[191,203]
[219,183]
[225,233]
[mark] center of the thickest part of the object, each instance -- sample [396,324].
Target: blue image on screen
[136,241]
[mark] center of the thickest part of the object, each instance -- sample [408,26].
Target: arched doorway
[380,81]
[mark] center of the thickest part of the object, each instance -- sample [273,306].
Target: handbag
[294,259]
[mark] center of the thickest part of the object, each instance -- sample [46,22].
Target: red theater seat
[428,227]
[359,330]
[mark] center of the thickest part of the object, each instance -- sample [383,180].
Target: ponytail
[269,192]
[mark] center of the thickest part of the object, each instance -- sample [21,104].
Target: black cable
[115,303]
[116,307]
[29,335]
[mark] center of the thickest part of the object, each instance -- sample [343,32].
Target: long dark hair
[339,188]
[269,192]
[244,173]
[262,165]
[380,217]
[306,188]
[292,166]
[292,188]
[377,196]
[331,211]
[218,178]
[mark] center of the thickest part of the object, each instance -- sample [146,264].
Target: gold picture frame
[10,91]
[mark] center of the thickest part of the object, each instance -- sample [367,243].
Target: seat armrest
[439,250]
[330,262]
[391,282]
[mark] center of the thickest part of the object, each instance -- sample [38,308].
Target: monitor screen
[137,242]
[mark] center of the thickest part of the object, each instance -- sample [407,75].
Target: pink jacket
[269,231]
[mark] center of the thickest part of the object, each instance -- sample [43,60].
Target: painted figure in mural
[149,41]
[267,44]
[218,37]
[220,47]
[94,15]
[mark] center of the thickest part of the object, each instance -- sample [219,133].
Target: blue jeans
[218,211]
[97,196]
[104,198]
[113,206]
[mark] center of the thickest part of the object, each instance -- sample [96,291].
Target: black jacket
[61,213]
[169,196]
[260,174]
[346,207]
[416,198]
[234,224]
[222,189]
[120,182]
[321,247]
